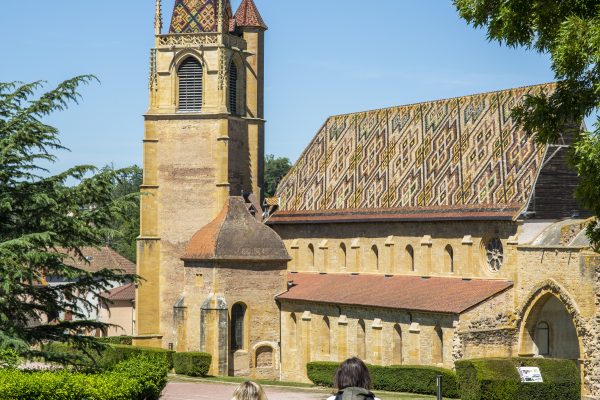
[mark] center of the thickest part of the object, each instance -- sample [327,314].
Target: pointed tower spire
[158,18]
[248,16]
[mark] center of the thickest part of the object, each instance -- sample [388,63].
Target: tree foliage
[47,219]
[569,31]
[127,225]
[275,170]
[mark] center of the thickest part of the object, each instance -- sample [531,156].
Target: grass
[293,385]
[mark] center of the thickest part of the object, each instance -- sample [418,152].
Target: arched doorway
[549,330]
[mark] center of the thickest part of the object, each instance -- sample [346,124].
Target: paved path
[223,391]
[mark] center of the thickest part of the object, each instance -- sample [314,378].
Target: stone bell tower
[203,142]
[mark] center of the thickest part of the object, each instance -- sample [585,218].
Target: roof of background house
[434,294]
[121,293]
[102,258]
[465,151]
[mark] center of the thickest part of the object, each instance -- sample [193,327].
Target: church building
[418,235]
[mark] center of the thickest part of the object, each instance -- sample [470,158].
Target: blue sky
[322,58]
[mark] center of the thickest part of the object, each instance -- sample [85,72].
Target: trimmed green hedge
[139,378]
[112,355]
[192,364]
[396,378]
[127,340]
[498,379]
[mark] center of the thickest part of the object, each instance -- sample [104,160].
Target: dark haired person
[353,382]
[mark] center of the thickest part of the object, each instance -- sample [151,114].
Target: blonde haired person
[249,391]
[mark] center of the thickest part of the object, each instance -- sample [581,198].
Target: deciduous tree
[569,31]
[275,170]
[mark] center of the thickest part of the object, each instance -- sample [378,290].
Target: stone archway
[548,330]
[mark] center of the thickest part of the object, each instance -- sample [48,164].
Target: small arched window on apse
[238,316]
[542,338]
[410,257]
[448,259]
[374,257]
[311,255]
[342,258]
[233,88]
[189,75]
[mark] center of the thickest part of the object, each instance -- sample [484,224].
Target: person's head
[249,391]
[352,373]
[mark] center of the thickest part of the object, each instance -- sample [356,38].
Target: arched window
[342,256]
[233,88]
[325,337]
[238,315]
[438,345]
[448,259]
[311,255]
[542,338]
[361,343]
[292,338]
[397,345]
[374,258]
[190,85]
[410,257]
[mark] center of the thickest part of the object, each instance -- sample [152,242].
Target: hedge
[127,340]
[139,378]
[396,378]
[111,355]
[498,379]
[192,364]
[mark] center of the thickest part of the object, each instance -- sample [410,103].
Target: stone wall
[344,248]
[391,337]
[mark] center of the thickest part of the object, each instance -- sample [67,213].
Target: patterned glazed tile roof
[98,259]
[235,235]
[446,213]
[247,15]
[198,16]
[461,151]
[126,292]
[272,201]
[452,295]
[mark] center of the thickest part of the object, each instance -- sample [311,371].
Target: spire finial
[158,18]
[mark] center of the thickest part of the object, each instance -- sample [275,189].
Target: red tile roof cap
[431,294]
[247,15]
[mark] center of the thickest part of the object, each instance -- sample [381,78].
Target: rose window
[494,254]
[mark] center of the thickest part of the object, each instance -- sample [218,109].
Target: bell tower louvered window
[190,85]
[233,88]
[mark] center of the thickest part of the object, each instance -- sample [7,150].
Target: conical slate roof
[235,235]
[247,15]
